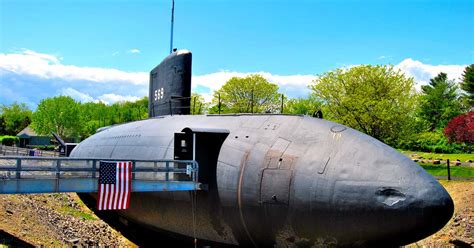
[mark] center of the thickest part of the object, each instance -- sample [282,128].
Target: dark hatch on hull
[202,145]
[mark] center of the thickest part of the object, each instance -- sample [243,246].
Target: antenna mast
[172,24]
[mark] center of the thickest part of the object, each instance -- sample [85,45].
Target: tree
[439,102]
[198,104]
[2,125]
[142,108]
[304,106]
[461,129]
[59,114]
[15,117]
[467,84]
[251,94]
[377,100]
[92,117]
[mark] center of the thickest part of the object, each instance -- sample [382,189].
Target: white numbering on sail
[159,94]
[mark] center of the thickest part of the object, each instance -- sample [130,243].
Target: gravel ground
[55,220]
[459,232]
[62,220]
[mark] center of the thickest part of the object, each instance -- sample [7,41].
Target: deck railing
[20,174]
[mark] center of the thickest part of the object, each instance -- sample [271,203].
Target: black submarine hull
[281,180]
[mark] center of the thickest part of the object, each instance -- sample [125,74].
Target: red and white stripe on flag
[115,185]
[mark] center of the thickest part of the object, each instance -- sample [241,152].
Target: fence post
[219,104]
[133,169]
[58,168]
[18,168]
[196,171]
[449,170]
[282,99]
[251,103]
[171,109]
[94,168]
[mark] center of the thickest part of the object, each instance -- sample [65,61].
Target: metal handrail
[18,167]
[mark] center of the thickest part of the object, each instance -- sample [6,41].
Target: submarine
[273,180]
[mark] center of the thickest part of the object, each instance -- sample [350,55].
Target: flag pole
[172,24]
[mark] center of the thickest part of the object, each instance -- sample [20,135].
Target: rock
[415,160]
[73,241]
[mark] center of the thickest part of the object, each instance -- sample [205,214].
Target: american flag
[115,185]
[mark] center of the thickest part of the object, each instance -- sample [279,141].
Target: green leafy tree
[92,117]
[214,109]
[96,115]
[377,100]
[59,114]
[251,94]
[16,117]
[304,106]
[439,102]
[142,108]
[467,85]
[198,104]
[2,125]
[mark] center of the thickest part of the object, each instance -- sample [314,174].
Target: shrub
[461,129]
[43,147]
[9,140]
[432,142]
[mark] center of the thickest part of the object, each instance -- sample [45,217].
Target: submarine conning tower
[170,85]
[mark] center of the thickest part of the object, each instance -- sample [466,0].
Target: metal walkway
[20,175]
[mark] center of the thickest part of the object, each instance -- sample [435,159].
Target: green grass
[66,209]
[456,171]
[77,213]
[461,156]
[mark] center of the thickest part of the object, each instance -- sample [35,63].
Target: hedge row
[9,140]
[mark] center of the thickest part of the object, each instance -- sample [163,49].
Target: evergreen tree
[467,85]
[439,102]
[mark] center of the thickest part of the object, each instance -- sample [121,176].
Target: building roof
[26,132]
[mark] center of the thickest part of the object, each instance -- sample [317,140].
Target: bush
[461,129]
[433,142]
[43,147]
[9,140]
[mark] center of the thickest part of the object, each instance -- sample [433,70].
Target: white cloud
[134,50]
[422,73]
[112,98]
[105,98]
[48,66]
[48,57]
[45,73]
[77,95]
[383,57]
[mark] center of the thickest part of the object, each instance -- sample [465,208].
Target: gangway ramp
[22,175]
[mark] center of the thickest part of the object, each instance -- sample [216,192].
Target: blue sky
[65,47]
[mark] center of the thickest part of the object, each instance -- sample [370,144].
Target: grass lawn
[456,171]
[461,156]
